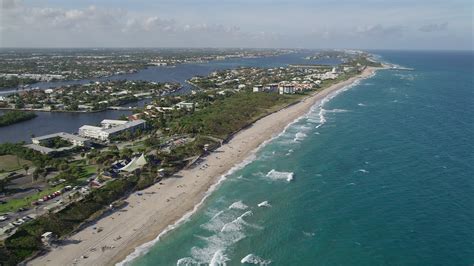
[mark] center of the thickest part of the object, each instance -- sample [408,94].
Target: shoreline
[165,205]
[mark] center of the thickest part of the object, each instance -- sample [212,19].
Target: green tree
[26,168]
[34,176]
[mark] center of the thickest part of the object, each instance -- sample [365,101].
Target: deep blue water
[383,175]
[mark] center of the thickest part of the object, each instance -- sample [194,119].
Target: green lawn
[10,163]
[15,204]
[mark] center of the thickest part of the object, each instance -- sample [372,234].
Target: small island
[13,117]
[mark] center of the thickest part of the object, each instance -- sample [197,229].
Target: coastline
[164,205]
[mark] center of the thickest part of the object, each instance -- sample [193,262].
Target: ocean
[380,174]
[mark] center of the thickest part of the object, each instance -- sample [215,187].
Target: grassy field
[10,163]
[14,204]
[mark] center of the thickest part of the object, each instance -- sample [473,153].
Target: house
[271,87]
[286,88]
[75,140]
[185,105]
[40,143]
[258,88]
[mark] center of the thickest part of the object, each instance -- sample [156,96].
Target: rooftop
[125,126]
[63,135]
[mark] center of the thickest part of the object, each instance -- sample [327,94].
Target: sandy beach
[111,239]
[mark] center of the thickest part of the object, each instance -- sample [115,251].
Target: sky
[361,24]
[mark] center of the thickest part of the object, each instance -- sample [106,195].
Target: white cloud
[380,31]
[434,27]
[170,24]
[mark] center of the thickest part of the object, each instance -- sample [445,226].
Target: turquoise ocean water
[381,174]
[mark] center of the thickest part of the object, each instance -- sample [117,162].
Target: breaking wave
[362,171]
[299,136]
[238,205]
[254,259]
[275,175]
[264,204]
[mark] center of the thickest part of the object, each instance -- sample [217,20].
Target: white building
[75,140]
[258,88]
[185,105]
[286,88]
[111,129]
[109,123]
[92,132]
[40,143]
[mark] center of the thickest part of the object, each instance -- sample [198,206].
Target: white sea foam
[322,119]
[254,259]
[218,259]
[217,244]
[217,215]
[218,221]
[186,262]
[362,171]
[237,224]
[337,111]
[309,234]
[361,104]
[299,136]
[238,205]
[409,77]
[264,204]
[275,175]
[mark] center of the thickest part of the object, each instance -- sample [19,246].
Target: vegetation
[27,239]
[17,149]
[12,117]
[363,60]
[230,114]
[10,163]
[57,142]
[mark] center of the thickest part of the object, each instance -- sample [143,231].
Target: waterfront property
[75,140]
[57,142]
[111,128]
